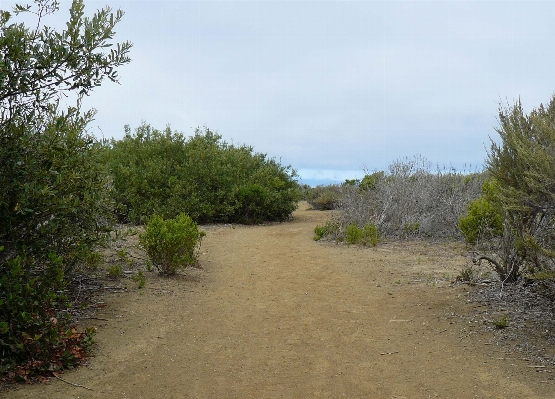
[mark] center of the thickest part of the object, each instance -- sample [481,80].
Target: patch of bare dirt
[274,314]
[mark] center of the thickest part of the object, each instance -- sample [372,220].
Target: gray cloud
[332,86]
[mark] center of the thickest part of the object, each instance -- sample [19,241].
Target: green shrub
[54,187]
[250,204]
[35,337]
[324,198]
[411,228]
[370,235]
[329,228]
[171,243]
[54,195]
[501,322]
[353,234]
[370,181]
[115,271]
[165,173]
[140,279]
[522,165]
[482,220]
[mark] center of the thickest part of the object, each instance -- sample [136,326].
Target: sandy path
[276,315]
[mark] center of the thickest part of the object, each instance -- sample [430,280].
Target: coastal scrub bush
[35,337]
[171,244]
[370,180]
[54,189]
[353,234]
[370,234]
[483,219]
[330,228]
[166,173]
[324,198]
[410,200]
[522,165]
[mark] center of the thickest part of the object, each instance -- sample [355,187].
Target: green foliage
[482,220]
[115,271]
[370,181]
[523,166]
[140,279]
[353,234]
[34,337]
[411,228]
[164,173]
[324,198]
[351,182]
[501,322]
[467,274]
[370,234]
[171,243]
[54,195]
[328,229]
[40,63]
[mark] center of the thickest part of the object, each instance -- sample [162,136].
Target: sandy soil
[274,314]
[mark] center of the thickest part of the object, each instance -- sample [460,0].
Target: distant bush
[324,198]
[165,173]
[410,200]
[370,181]
[370,234]
[171,244]
[330,228]
[353,234]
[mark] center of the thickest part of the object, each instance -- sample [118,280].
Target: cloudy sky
[331,87]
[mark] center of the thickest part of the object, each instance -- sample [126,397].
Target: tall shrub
[165,173]
[54,203]
[523,165]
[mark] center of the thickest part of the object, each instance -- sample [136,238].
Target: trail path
[274,314]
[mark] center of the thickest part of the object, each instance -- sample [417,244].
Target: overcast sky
[331,87]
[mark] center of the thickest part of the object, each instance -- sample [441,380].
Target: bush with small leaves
[330,228]
[54,187]
[324,198]
[171,244]
[166,173]
[353,234]
[410,200]
[115,271]
[139,279]
[370,235]
[501,322]
[482,220]
[370,181]
[35,336]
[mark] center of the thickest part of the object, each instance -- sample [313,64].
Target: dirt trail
[274,314]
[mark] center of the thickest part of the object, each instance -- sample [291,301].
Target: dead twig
[71,383]
[94,318]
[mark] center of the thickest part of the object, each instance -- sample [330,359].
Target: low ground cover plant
[330,228]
